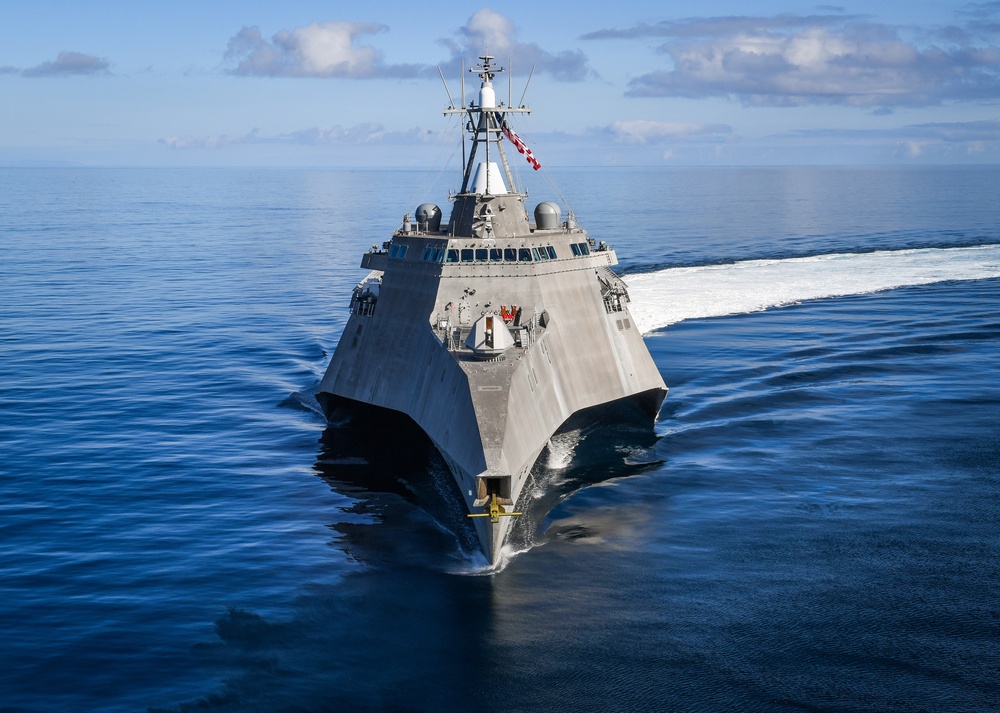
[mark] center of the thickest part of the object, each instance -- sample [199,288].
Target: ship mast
[485,121]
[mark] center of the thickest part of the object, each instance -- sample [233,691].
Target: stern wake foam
[668,296]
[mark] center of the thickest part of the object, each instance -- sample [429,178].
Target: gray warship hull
[490,332]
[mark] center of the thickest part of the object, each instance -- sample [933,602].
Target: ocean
[812,523]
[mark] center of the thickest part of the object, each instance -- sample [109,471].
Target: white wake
[561,448]
[675,294]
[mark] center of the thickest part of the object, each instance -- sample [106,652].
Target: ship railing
[613,303]
[363,308]
[453,338]
[613,290]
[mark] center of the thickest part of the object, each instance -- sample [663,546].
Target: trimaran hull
[490,332]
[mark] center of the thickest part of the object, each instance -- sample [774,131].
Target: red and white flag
[521,148]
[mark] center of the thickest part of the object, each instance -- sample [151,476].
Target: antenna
[461,129]
[530,75]
[510,80]
[452,101]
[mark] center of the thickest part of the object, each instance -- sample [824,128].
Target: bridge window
[552,252]
[496,255]
[467,254]
[524,254]
[452,255]
[482,254]
[510,254]
[432,254]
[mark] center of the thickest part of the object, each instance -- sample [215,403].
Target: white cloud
[956,132]
[322,49]
[939,139]
[642,131]
[337,49]
[367,133]
[490,31]
[329,48]
[69,63]
[207,142]
[824,59]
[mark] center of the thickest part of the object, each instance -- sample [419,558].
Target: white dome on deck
[489,337]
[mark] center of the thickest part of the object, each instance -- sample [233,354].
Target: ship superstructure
[492,329]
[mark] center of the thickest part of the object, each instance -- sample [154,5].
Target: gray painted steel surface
[550,330]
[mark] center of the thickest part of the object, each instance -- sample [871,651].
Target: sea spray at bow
[668,296]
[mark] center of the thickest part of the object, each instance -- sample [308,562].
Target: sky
[624,83]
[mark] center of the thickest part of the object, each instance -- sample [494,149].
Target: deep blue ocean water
[812,523]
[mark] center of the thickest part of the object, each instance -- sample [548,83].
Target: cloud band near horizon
[788,60]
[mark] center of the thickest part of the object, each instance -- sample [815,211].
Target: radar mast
[486,123]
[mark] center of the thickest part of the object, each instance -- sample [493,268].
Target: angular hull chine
[491,331]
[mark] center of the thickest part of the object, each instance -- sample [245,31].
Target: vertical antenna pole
[447,91]
[530,75]
[485,118]
[462,120]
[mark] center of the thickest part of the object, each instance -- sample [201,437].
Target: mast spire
[485,121]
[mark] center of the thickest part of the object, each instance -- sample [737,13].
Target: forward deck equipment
[492,329]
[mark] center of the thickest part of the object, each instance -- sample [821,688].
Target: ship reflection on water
[406,509]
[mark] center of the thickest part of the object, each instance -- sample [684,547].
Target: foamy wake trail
[668,296]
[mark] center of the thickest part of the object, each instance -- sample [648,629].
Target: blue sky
[621,83]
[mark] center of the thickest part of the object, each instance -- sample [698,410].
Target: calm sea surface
[812,524]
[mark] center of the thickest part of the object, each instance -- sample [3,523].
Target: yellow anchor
[494,511]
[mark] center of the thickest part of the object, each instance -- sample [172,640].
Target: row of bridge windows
[454,255]
[509,254]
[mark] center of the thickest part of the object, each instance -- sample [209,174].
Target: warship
[490,331]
